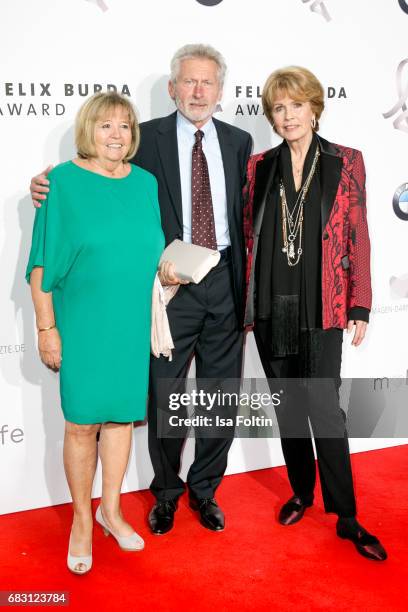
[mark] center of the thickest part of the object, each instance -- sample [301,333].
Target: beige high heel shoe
[130,543]
[74,563]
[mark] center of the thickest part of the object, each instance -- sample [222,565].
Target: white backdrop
[53,53]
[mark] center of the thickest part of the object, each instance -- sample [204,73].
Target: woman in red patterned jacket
[308,279]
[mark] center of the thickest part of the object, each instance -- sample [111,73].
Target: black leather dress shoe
[292,511]
[211,515]
[366,544]
[161,517]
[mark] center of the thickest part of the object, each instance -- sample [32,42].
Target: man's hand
[49,346]
[167,275]
[359,334]
[39,187]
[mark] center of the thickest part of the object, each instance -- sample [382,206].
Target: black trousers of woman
[326,418]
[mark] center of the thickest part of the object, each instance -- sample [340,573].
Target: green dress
[99,241]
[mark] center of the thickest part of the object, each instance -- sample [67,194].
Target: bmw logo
[400,202]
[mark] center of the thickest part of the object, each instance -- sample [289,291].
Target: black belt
[225,254]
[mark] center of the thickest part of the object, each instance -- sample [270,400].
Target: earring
[313,122]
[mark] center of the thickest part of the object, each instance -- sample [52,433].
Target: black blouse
[290,295]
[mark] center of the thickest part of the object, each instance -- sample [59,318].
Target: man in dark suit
[205,319]
[190,148]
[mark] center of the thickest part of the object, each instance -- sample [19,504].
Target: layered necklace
[292,220]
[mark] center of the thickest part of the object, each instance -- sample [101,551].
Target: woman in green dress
[95,249]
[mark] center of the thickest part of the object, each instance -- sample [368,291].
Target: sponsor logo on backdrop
[102,5]
[10,349]
[209,2]
[388,308]
[400,202]
[391,383]
[399,286]
[45,99]
[10,435]
[254,92]
[319,7]
[401,121]
[404,5]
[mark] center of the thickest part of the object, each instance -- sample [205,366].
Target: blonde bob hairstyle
[299,84]
[96,108]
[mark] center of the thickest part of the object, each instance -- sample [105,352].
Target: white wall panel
[354,45]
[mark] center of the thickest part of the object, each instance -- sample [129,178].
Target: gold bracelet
[41,329]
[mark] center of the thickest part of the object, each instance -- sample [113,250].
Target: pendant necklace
[292,220]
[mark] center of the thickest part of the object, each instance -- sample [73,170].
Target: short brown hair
[91,111]
[298,83]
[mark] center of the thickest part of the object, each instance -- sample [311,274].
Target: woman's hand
[359,334]
[39,187]
[167,275]
[49,346]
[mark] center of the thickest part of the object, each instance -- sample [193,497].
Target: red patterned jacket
[346,282]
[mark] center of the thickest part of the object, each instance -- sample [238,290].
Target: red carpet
[255,564]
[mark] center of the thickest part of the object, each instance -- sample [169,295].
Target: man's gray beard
[195,119]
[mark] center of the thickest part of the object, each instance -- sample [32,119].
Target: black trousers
[203,322]
[325,415]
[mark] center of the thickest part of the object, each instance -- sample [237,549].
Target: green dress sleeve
[50,245]
[153,190]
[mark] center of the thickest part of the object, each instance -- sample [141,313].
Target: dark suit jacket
[158,153]
[346,281]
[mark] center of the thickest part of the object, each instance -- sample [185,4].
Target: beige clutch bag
[191,262]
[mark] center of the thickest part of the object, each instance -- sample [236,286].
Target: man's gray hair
[198,51]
